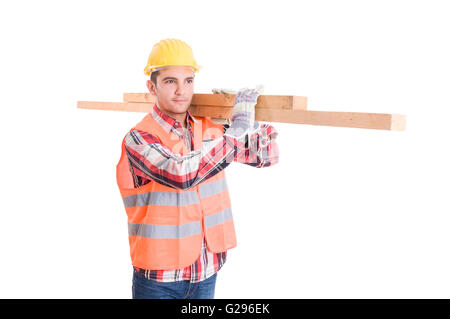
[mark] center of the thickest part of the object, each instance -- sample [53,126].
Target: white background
[347,213]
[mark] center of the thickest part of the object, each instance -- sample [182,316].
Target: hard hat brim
[148,70]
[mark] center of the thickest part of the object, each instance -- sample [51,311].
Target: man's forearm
[152,160]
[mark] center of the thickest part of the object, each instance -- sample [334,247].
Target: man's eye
[169,81]
[190,81]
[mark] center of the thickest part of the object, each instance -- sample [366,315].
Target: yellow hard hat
[170,52]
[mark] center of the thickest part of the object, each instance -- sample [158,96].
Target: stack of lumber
[270,108]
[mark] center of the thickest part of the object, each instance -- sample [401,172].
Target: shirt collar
[167,121]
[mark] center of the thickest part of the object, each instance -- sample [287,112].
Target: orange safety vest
[166,225]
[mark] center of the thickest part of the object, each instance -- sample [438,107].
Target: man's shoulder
[147,123]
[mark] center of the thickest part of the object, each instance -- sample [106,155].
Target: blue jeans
[144,288]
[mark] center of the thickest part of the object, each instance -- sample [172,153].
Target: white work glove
[243,116]
[223,91]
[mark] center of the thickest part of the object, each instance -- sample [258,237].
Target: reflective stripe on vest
[218,218]
[164,231]
[175,199]
[161,199]
[178,231]
[213,188]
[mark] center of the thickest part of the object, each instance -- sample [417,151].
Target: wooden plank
[139,97]
[116,106]
[264,101]
[299,102]
[380,121]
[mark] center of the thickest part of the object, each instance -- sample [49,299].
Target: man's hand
[243,117]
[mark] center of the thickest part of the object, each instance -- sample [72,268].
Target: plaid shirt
[152,161]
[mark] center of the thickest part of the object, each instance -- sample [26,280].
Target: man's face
[174,89]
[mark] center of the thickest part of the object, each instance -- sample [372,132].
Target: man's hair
[153,76]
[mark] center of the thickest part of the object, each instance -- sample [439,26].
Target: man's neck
[182,118]
[183,121]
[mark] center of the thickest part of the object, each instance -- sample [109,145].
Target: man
[172,180]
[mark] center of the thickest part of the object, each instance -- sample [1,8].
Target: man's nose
[180,89]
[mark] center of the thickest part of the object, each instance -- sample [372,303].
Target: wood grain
[380,121]
[264,101]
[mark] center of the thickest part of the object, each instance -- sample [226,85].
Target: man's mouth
[180,101]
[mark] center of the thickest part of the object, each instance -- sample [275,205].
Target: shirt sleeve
[152,160]
[260,147]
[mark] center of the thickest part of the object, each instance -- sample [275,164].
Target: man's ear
[151,87]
